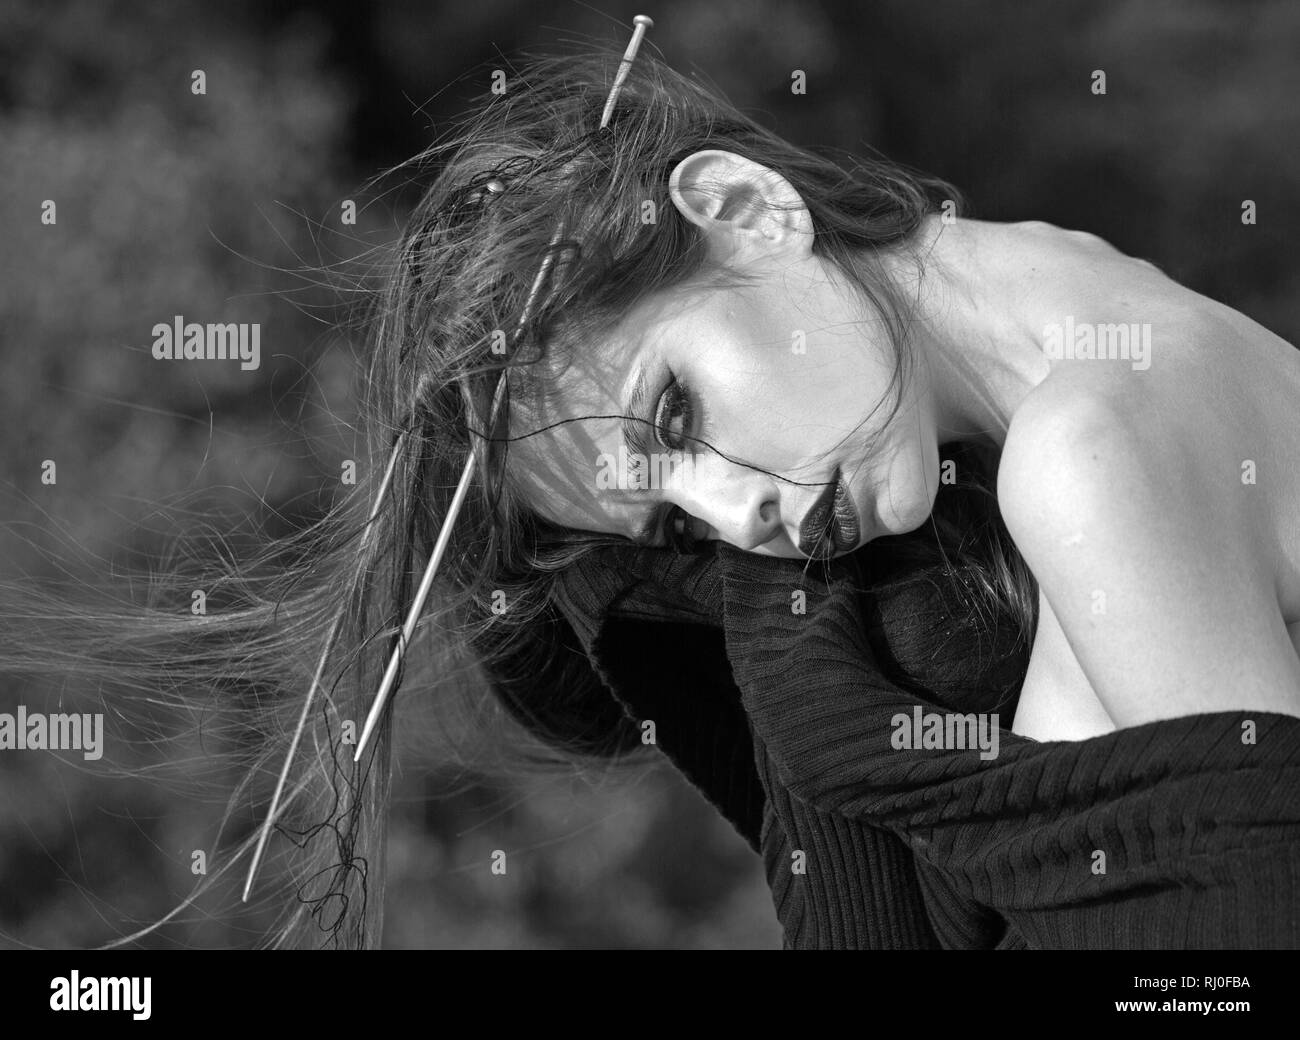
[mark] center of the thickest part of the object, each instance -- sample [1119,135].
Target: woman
[1150,490]
[749,344]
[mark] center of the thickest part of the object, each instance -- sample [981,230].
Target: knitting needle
[272,812]
[642,23]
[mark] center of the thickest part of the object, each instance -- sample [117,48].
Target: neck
[976,343]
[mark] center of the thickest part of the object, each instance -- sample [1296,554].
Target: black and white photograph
[679,476]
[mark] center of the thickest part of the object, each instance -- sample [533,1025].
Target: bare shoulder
[1158,580]
[1091,473]
[1076,437]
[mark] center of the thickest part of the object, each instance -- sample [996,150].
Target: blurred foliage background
[217,206]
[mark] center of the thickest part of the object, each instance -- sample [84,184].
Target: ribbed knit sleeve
[653,627]
[837,884]
[1178,833]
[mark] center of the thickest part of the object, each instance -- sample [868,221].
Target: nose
[741,505]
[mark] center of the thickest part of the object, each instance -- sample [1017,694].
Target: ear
[746,211]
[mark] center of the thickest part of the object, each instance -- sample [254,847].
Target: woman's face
[786,378]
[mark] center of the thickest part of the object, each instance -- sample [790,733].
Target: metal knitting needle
[272,812]
[642,23]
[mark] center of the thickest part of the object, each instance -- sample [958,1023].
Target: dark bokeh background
[220,208]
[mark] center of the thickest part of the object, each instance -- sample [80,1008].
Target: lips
[831,524]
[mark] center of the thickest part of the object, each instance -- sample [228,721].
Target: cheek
[906,496]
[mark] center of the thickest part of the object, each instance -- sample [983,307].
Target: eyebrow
[634,442]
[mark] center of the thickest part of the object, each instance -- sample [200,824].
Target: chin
[904,517]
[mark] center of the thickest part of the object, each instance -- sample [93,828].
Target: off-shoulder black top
[776,690]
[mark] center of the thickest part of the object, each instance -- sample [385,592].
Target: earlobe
[746,211]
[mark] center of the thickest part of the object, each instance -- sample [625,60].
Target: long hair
[455,284]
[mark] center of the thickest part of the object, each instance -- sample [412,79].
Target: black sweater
[1177,834]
